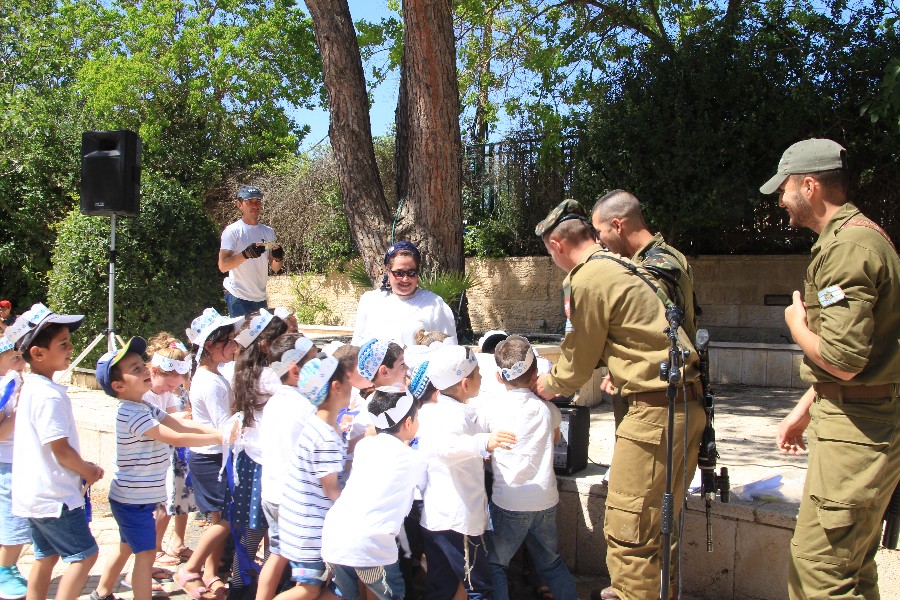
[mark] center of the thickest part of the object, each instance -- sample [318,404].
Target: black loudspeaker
[570,454]
[110,173]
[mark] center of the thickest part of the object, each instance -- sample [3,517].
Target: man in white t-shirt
[243,255]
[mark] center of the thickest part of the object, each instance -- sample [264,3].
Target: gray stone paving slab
[747,419]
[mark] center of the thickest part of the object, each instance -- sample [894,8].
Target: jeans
[387,585]
[446,556]
[67,535]
[538,530]
[238,307]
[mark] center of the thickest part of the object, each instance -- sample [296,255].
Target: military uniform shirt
[684,296]
[615,319]
[857,316]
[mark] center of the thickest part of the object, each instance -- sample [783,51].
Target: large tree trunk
[429,145]
[351,131]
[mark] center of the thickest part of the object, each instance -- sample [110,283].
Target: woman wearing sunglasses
[400,308]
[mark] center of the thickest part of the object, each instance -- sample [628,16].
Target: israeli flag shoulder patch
[830,295]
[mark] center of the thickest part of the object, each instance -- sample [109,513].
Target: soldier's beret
[565,210]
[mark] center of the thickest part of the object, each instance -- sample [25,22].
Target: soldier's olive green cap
[565,210]
[808,156]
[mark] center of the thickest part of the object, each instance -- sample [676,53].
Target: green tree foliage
[39,136]
[204,83]
[694,123]
[165,271]
[208,85]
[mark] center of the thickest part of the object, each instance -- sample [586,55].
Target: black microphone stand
[670,372]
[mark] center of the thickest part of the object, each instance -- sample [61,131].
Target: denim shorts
[210,493]
[13,530]
[271,512]
[310,573]
[137,527]
[67,535]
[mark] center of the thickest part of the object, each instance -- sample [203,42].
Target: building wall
[524,295]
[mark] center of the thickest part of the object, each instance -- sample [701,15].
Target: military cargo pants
[854,466]
[636,485]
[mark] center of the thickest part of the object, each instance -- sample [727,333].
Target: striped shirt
[320,451]
[141,462]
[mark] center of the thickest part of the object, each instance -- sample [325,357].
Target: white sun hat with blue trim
[449,365]
[205,324]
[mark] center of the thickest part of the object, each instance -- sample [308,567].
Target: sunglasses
[408,273]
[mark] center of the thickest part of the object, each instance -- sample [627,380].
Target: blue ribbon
[7,393]
[341,414]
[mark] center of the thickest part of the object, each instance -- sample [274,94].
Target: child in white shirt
[359,538]
[454,514]
[525,498]
[14,531]
[49,474]
[284,416]
[313,480]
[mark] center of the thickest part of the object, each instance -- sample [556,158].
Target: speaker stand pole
[110,333]
[110,330]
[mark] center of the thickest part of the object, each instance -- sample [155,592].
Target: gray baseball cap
[809,156]
[249,191]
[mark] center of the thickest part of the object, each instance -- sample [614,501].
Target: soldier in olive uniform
[848,324]
[616,318]
[620,226]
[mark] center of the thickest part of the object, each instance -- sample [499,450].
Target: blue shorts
[271,512]
[13,530]
[137,527]
[67,535]
[310,573]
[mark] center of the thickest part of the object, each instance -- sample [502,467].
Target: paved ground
[746,422]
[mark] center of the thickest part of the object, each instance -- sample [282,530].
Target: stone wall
[524,294]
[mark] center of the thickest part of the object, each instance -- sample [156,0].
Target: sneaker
[96,596]
[12,585]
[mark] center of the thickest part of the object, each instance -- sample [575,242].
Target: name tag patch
[830,295]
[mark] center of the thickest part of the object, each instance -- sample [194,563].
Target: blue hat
[371,355]
[419,380]
[315,379]
[111,359]
[249,191]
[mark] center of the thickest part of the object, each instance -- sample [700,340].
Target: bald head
[618,204]
[619,222]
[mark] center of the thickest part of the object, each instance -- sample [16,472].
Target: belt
[836,391]
[660,398]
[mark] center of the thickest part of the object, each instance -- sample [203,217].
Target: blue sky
[385,95]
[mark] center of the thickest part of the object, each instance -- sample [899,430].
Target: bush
[303,205]
[165,269]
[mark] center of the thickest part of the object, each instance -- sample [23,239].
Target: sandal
[542,592]
[182,554]
[156,589]
[220,592]
[183,578]
[166,559]
[161,573]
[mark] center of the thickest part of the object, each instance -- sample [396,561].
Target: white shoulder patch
[830,295]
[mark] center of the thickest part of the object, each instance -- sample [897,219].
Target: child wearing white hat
[525,499]
[314,480]
[454,514]
[284,416]
[360,531]
[212,338]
